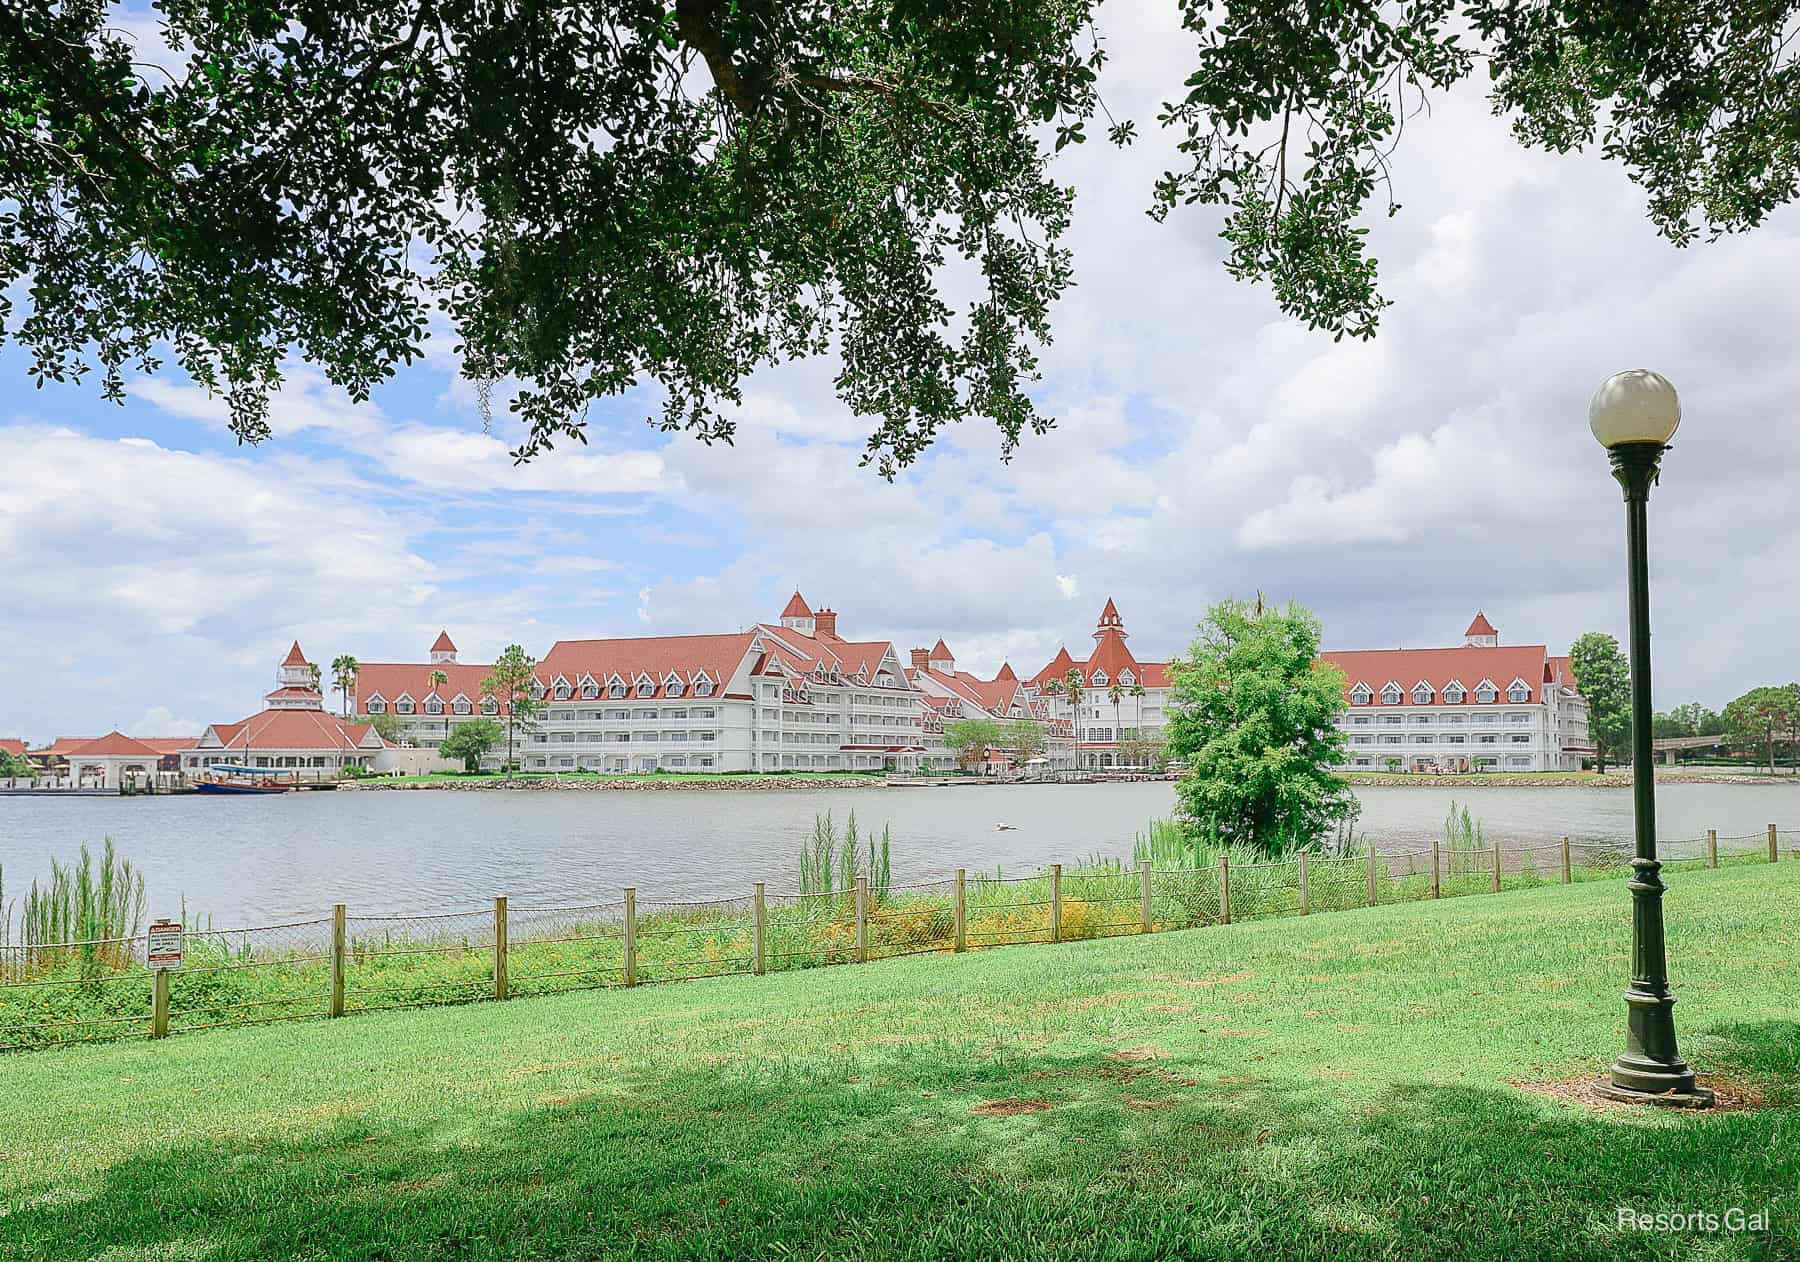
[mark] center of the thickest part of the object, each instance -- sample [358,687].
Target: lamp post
[1634,414]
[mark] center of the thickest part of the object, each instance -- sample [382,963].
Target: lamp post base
[1693,1096]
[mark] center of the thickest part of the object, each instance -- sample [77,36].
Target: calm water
[258,860]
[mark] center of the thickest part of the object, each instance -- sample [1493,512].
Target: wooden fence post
[1144,921]
[962,921]
[159,1004]
[500,982]
[337,960]
[1056,902]
[1374,898]
[1224,890]
[631,935]
[862,919]
[1712,847]
[1496,867]
[1305,887]
[1568,871]
[1774,849]
[1437,880]
[759,935]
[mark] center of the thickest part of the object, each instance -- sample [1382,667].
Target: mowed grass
[1332,1087]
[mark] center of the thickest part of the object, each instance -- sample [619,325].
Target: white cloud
[159,720]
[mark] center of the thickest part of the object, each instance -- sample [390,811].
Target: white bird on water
[1006,828]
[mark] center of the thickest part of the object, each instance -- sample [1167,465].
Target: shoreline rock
[615,784]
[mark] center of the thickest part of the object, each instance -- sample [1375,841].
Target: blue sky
[155,571]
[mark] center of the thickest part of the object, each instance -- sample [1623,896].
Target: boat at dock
[229,778]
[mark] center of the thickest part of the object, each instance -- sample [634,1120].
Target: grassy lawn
[1336,1086]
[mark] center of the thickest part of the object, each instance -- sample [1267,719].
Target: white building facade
[1104,727]
[1479,707]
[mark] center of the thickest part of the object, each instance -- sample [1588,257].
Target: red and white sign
[164,950]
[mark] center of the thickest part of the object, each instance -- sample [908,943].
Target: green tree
[1604,677]
[624,193]
[471,742]
[14,766]
[971,739]
[1762,717]
[1073,694]
[511,683]
[343,677]
[1025,737]
[1255,716]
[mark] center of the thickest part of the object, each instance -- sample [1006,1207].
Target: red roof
[1109,617]
[1561,670]
[295,657]
[442,644]
[114,744]
[291,692]
[294,729]
[1006,672]
[658,656]
[1059,666]
[63,744]
[804,654]
[940,652]
[388,680]
[13,747]
[1466,665]
[170,744]
[797,607]
[1481,626]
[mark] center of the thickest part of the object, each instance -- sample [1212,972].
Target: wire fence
[340,964]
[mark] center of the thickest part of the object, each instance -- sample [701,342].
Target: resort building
[1482,706]
[112,761]
[790,695]
[428,699]
[948,695]
[292,730]
[1122,700]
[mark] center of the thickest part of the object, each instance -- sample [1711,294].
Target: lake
[261,860]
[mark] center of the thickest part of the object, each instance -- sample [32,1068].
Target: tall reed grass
[830,864]
[96,909]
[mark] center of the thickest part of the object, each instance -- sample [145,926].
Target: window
[645,688]
[1456,740]
[1360,720]
[1393,720]
[404,706]
[1127,678]
[489,706]
[1520,738]
[590,691]
[1486,693]
[1421,693]
[703,687]
[1360,695]
[433,706]
[1424,720]
[563,692]
[461,706]
[616,690]
[1362,740]
[1390,740]
[1485,739]
[1390,695]
[1451,720]
[377,706]
[674,689]
[1454,694]
[1099,679]
[1424,740]
[1519,693]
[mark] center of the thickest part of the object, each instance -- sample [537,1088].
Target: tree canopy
[1763,717]
[471,741]
[676,193]
[1603,676]
[1255,715]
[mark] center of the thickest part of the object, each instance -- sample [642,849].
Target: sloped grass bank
[1337,1086]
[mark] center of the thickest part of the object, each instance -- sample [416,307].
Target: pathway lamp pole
[1633,415]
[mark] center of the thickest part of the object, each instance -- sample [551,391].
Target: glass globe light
[1637,406]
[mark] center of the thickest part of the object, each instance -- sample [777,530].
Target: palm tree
[437,679]
[343,677]
[1115,693]
[1137,690]
[1071,686]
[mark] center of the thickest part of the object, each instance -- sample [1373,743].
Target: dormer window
[564,690]
[433,706]
[1099,679]
[590,691]
[404,705]
[537,688]
[377,704]
[703,687]
[1486,693]
[1361,695]
[489,706]
[674,688]
[646,687]
[1454,694]
[1128,679]
[461,706]
[616,689]
[1519,693]
[1421,693]
[1390,695]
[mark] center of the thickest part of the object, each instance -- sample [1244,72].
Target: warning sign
[165,944]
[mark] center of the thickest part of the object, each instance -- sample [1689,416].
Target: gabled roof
[940,652]
[389,680]
[1006,672]
[655,657]
[796,607]
[295,657]
[1054,672]
[1481,626]
[442,644]
[294,730]
[11,746]
[114,744]
[1438,667]
[1109,617]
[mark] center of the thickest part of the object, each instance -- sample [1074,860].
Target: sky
[153,572]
